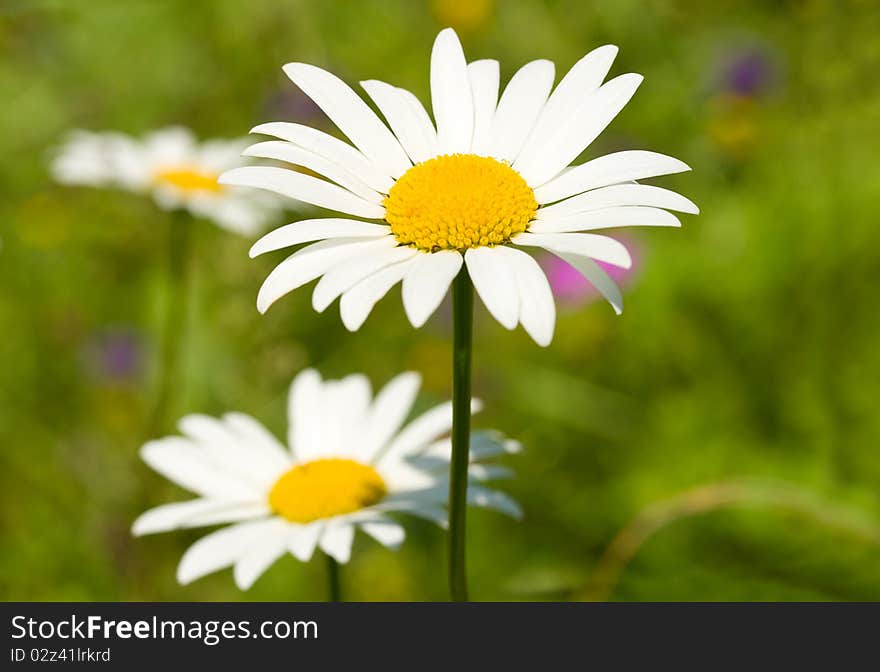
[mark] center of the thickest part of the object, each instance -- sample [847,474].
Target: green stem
[462,326]
[174,329]
[333,580]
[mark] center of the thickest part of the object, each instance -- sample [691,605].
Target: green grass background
[724,429]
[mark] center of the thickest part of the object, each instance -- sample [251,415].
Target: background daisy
[350,462]
[171,165]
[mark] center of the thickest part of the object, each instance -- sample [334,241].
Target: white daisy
[349,463]
[174,167]
[487,177]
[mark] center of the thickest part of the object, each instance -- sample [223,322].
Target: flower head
[485,179]
[349,463]
[172,166]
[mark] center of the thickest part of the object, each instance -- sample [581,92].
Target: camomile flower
[172,166]
[482,184]
[350,462]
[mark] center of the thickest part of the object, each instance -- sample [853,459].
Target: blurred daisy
[174,167]
[349,463]
[490,177]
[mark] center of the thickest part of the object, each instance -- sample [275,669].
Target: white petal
[605,218]
[222,548]
[344,408]
[310,230]
[494,281]
[299,156]
[305,410]
[436,493]
[86,158]
[519,107]
[590,245]
[204,428]
[385,531]
[195,513]
[260,556]
[427,282]
[489,472]
[336,541]
[222,446]
[357,302]
[597,277]
[593,115]
[484,444]
[477,495]
[406,119]
[583,79]
[302,187]
[619,195]
[484,78]
[186,464]
[310,262]
[435,514]
[606,170]
[302,540]
[220,155]
[351,115]
[172,146]
[402,477]
[451,96]
[487,443]
[342,278]
[390,408]
[332,149]
[241,210]
[421,432]
[428,131]
[258,439]
[537,311]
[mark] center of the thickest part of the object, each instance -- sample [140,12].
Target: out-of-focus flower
[115,355]
[349,463]
[748,72]
[572,288]
[464,16]
[744,77]
[733,125]
[293,103]
[172,166]
[491,178]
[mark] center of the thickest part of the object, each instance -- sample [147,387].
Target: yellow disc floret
[325,488]
[457,201]
[189,179]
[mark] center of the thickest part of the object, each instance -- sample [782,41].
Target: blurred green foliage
[747,353]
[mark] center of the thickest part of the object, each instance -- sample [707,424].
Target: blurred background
[718,441]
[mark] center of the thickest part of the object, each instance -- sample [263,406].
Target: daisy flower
[349,463]
[484,182]
[172,166]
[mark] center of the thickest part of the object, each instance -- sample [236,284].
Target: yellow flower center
[189,179]
[325,488]
[457,201]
